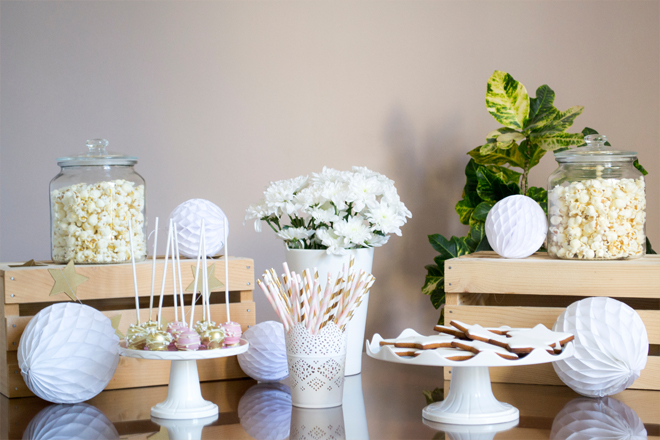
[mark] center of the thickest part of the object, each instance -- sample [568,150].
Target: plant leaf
[455,247]
[540,195]
[492,188]
[510,137]
[512,157]
[554,141]
[557,122]
[437,395]
[507,100]
[438,297]
[542,105]
[649,249]
[493,135]
[640,168]
[464,210]
[506,174]
[432,283]
[481,212]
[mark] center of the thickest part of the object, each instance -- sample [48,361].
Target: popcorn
[597,219]
[90,222]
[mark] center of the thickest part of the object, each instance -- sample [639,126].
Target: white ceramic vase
[300,259]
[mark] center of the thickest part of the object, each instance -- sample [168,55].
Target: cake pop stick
[137,301]
[202,233]
[174,293]
[205,285]
[162,286]
[226,271]
[178,268]
[194,297]
[153,271]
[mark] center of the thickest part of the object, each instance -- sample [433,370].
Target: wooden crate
[489,290]
[110,290]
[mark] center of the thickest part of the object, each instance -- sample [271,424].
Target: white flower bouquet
[333,210]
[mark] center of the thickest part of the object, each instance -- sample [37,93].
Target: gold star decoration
[213,281]
[115,320]
[30,263]
[66,281]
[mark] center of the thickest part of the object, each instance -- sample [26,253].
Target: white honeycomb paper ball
[265,359]
[605,418]
[188,217]
[516,227]
[68,353]
[80,421]
[611,346]
[265,411]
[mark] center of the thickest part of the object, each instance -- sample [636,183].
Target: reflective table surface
[384,402]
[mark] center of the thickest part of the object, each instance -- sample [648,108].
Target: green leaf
[492,188]
[542,105]
[464,210]
[540,195]
[536,153]
[506,174]
[586,132]
[557,122]
[435,270]
[510,137]
[493,135]
[481,211]
[437,395]
[471,177]
[554,141]
[455,247]
[487,148]
[512,157]
[507,100]
[438,297]
[484,245]
[640,168]
[649,249]
[504,145]
[432,284]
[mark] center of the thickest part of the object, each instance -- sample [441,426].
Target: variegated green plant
[500,167]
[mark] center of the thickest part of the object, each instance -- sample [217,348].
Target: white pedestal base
[470,401]
[184,396]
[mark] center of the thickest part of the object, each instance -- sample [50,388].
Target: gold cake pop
[136,337]
[213,338]
[158,340]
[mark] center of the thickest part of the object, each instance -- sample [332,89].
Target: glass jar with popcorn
[596,204]
[92,201]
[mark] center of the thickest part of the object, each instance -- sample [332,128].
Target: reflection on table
[385,401]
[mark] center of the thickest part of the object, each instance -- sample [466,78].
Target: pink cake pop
[188,340]
[233,333]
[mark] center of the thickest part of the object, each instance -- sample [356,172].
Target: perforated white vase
[318,424]
[301,259]
[316,366]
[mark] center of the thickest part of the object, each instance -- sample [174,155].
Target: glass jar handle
[97,146]
[596,142]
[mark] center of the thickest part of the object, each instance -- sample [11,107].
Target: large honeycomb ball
[188,217]
[73,422]
[266,359]
[516,227]
[68,353]
[611,346]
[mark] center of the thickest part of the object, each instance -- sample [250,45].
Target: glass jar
[92,200]
[596,204]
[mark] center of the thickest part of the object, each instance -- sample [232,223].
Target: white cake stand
[184,396]
[470,400]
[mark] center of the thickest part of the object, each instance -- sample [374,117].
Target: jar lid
[595,151]
[96,155]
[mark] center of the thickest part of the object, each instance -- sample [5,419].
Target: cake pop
[188,340]
[158,340]
[136,337]
[213,338]
[233,333]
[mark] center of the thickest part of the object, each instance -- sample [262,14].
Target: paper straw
[176,308]
[194,297]
[178,269]
[137,301]
[324,304]
[283,313]
[153,271]
[162,286]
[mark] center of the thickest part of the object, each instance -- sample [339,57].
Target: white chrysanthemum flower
[289,234]
[336,192]
[257,212]
[332,241]
[363,190]
[323,214]
[354,230]
[377,240]
[281,195]
[384,217]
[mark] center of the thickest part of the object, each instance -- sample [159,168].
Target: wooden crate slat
[486,272]
[113,281]
[492,316]
[544,374]
[243,312]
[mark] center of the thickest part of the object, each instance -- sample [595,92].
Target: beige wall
[219,98]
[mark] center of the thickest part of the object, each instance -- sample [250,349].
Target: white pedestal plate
[470,400]
[184,396]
